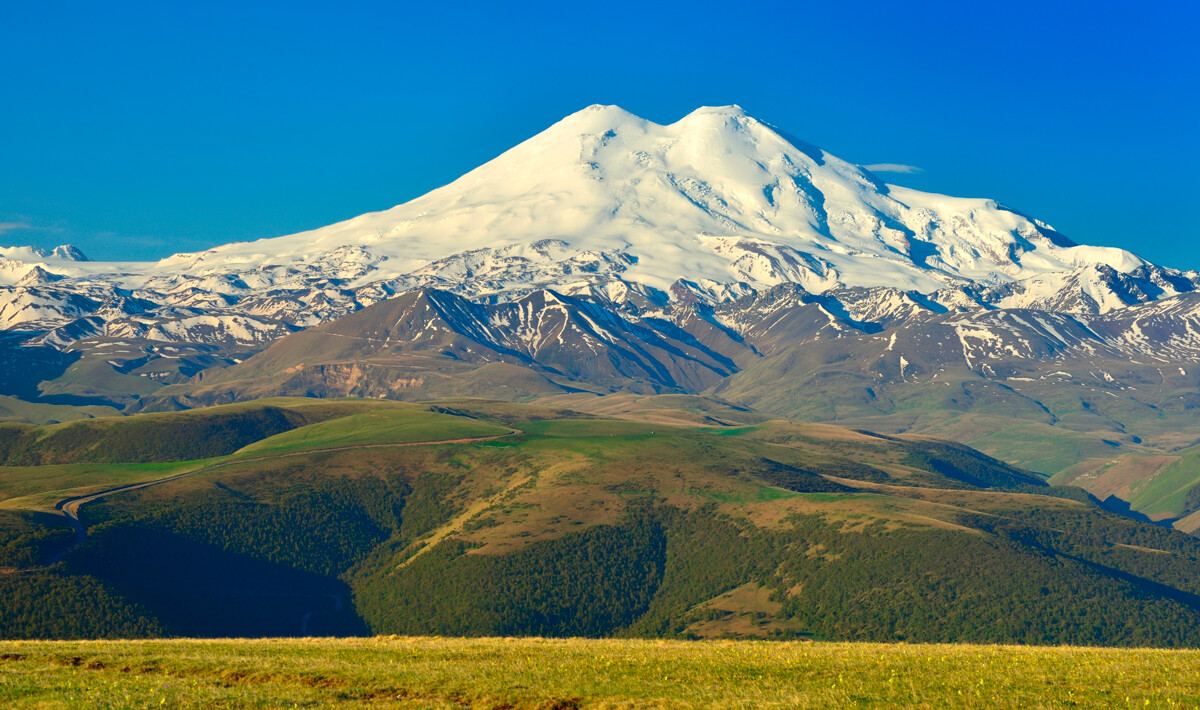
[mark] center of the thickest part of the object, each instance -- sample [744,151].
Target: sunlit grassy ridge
[316,424]
[391,425]
[40,487]
[571,673]
[18,410]
[1166,492]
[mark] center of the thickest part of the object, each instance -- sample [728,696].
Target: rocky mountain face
[764,349]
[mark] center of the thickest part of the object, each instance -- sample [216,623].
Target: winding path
[70,506]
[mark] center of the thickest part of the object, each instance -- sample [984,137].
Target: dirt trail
[70,506]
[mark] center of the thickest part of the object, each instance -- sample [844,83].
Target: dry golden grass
[574,673]
[745,612]
[1108,477]
[1189,523]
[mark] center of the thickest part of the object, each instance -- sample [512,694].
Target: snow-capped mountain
[677,254]
[718,197]
[718,204]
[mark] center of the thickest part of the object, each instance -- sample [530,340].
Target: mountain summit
[719,198]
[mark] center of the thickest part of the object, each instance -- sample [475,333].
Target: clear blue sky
[135,130]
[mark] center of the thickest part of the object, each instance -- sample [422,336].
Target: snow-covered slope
[718,197]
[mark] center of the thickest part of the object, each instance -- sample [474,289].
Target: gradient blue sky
[135,130]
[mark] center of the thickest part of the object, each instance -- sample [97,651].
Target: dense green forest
[966,465]
[586,584]
[28,538]
[65,605]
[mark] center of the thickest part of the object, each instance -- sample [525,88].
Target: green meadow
[430,672]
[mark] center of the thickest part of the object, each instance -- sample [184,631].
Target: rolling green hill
[471,517]
[174,436]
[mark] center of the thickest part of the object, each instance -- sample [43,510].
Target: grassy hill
[18,410]
[478,518]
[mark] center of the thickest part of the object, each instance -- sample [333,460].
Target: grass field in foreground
[544,673]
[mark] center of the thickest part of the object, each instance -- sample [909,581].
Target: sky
[135,130]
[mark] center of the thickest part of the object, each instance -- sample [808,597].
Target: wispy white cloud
[893,168]
[11,226]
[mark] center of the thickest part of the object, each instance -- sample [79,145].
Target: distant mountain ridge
[583,344]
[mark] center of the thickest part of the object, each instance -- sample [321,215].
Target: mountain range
[716,255]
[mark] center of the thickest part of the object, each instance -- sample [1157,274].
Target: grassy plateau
[425,672]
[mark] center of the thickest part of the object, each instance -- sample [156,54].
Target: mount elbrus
[716,255]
